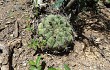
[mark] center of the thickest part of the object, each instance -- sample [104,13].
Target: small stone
[95,31]
[5,67]
[12,17]
[6,26]
[1,3]
[24,63]
[90,21]
[20,49]
[98,40]
[8,22]
[1,60]
[11,35]
[3,48]
[14,55]
[16,29]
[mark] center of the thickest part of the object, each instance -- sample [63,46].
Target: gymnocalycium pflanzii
[57,32]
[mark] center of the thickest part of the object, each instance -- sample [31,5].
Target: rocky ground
[91,50]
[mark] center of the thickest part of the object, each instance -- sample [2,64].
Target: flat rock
[5,67]
[4,53]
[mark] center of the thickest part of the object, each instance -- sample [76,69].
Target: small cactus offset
[57,32]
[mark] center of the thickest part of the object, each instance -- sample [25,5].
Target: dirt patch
[91,47]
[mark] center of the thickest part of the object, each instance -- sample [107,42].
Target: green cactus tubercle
[56,30]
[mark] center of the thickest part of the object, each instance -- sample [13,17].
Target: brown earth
[91,49]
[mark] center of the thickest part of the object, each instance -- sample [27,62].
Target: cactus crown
[56,30]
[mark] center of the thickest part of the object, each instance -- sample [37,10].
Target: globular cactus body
[56,30]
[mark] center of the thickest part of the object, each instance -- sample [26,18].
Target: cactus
[56,30]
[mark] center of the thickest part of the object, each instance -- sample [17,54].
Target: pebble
[3,48]
[1,60]
[14,55]
[1,3]
[5,67]
[24,63]
[8,22]
[4,53]
[98,40]
[12,17]
[12,35]
[20,49]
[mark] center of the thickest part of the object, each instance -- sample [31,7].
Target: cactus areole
[57,32]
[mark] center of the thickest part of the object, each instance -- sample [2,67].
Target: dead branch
[71,3]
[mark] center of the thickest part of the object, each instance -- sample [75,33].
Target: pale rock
[5,67]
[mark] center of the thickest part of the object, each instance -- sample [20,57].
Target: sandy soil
[91,50]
